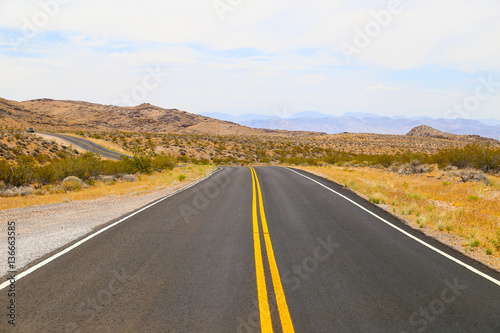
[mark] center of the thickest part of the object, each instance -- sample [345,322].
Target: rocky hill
[48,114]
[17,115]
[425,131]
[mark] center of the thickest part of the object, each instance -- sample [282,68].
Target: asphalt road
[88,145]
[235,253]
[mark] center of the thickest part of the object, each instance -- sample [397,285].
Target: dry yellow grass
[465,215]
[144,183]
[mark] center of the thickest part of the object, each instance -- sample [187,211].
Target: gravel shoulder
[43,229]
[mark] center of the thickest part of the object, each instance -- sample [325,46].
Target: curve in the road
[88,145]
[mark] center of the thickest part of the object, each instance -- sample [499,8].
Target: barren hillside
[48,114]
[17,115]
[429,132]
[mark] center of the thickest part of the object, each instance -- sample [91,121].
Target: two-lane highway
[258,249]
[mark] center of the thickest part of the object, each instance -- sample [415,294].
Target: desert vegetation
[16,142]
[29,175]
[271,149]
[105,186]
[20,166]
[437,185]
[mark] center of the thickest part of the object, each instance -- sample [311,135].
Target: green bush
[163,162]
[384,160]
[138,163]
[85,166]
[72,183]
[17,174]
[477,156]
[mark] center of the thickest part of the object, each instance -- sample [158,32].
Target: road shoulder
[43,229]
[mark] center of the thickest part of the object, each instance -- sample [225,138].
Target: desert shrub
[5,169]
[85,166]
[477,156]
[11,192]
[163,162]
[46,174]
[108,179]
[384,160]
[413,167]
[337,158]
[129,178]
[202,161]
[17,174]
[72,183]
[413,158]
[41,158]
[138,163]
[470,175]
[141,163]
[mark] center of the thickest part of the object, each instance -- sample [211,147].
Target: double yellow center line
[265,313]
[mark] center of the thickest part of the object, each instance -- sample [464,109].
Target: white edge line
[486,276]
[89,237]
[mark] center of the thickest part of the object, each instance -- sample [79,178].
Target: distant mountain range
[363,123]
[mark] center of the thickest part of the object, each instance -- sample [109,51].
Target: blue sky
[412,58]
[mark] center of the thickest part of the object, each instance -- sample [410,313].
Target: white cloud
[94,50]
[311,78]
[382,87]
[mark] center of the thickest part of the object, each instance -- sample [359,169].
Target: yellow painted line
[286,320]
[86,144]
[265,314]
